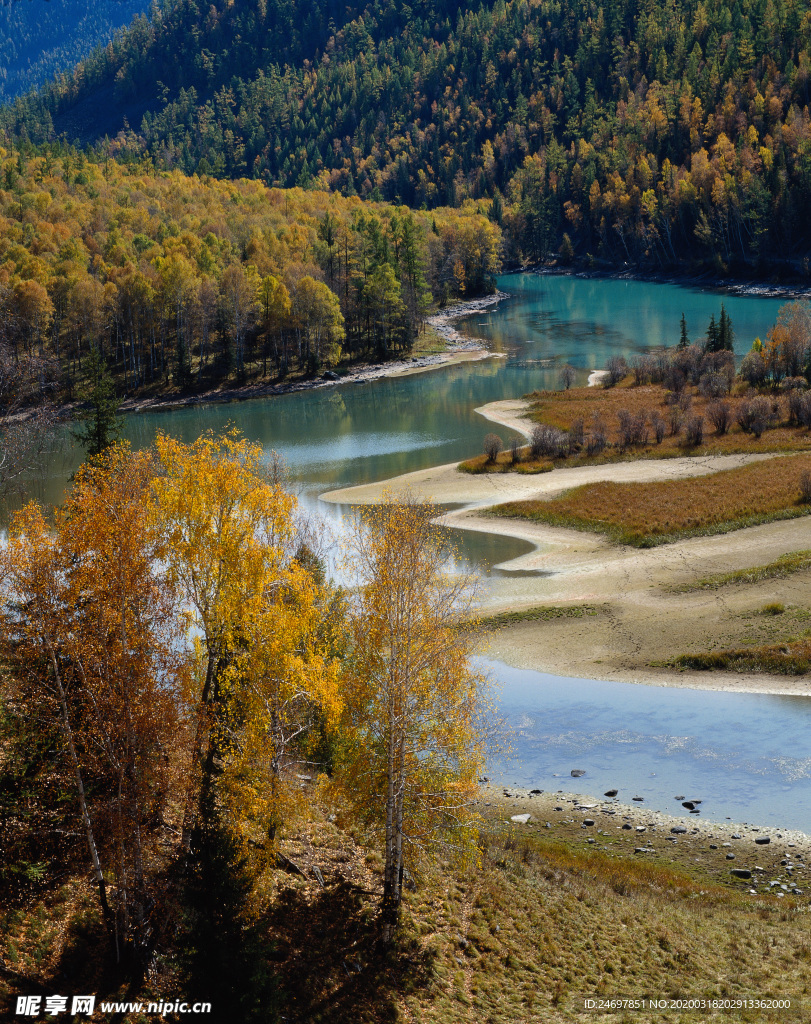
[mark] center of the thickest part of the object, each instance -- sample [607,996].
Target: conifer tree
[712,336]
[726,337]
[684,339]
[102,426]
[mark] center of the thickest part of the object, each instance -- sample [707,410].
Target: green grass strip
[784,566]
[792,658]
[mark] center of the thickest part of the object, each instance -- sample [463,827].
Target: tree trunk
[67,732]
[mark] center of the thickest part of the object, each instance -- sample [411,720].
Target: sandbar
[635,621]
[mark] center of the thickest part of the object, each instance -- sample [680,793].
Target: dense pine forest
[619,131]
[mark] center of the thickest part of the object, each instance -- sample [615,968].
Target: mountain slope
[39,40]
[653,131]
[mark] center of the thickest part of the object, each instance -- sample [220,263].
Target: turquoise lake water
[748,756]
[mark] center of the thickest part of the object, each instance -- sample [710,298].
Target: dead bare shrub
[566,376]
[713,384]
[616,369]
[658,424]
[644,369]
[576,435]
[689,361]
[805,411]
[694,431]
[632,428]
[548,442]
[796,400]
[675,380]
[597,440]
[754,415]
[675,418]
[720,415]
[805,488]
[492,446]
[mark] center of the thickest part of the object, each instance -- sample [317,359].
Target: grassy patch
[504,464]
[647,514]
[541,613]
[789,659]
[539,920]
[785,565]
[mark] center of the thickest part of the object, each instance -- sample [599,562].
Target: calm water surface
[747,756]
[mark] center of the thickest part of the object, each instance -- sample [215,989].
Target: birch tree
[415,702]
[229,540]
[91,638]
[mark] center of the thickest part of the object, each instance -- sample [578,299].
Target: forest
[652,133]
[182,281]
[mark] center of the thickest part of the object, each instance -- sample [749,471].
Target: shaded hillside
[39,39]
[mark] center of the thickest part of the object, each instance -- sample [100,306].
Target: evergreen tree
[726,337]
[684,339]
[713,344]
[102,424]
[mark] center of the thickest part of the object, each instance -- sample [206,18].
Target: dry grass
[543,923]
[792,658]
[538,923]
[646,514]
[561,408]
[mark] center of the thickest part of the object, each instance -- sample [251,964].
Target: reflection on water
[482,552]
[746,756]
[584,321]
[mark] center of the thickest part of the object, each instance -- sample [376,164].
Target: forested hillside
[179,279]
[39,40]
[657,131]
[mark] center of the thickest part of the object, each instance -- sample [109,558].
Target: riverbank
[459,348]
[623,828]
[644,618]
[687,279]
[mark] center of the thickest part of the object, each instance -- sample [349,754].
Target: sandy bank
[635,619]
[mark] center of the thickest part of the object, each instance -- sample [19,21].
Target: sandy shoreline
[634,620]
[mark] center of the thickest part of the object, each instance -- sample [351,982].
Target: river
[745,755]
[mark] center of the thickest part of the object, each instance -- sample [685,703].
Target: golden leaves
[413,697]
